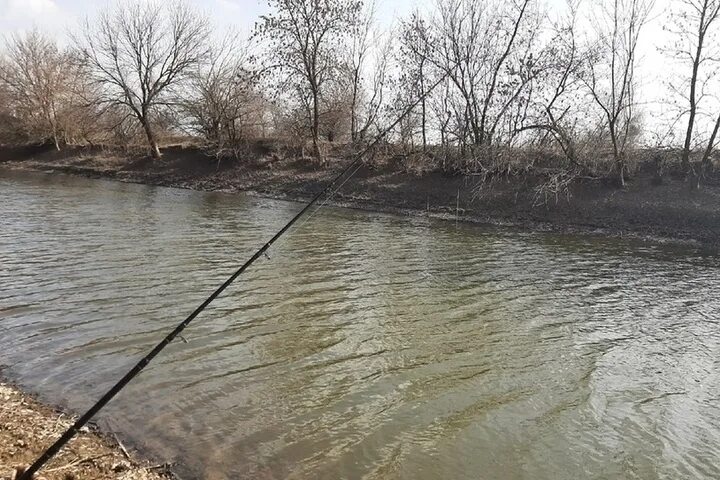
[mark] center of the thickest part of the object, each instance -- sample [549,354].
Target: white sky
[59,16]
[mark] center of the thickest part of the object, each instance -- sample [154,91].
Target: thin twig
[122,447]
[78,462]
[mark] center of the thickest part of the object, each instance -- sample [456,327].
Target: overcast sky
[57,16]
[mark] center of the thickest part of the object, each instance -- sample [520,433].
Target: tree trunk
[706,162]
[152,143]
[424,125]
[353,132]
[569,148]
[424,108]
[443,145]
[315,129]
[53,126]
[685,162]
[618,156]
[353,108]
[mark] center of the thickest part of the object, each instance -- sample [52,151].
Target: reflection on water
[366,346]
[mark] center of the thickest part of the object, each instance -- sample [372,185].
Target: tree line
[511,77]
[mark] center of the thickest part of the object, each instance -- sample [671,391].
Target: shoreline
[670,212]
[28,426]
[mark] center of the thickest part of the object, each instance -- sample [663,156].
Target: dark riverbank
[669,210]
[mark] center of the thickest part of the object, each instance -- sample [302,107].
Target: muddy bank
[27,427]
[670,210]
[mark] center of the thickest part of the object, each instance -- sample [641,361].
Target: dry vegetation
[521,90]
[26,427]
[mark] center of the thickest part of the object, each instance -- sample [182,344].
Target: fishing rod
[51,451]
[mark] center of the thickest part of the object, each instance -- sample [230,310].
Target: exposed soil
[27,427]
[671,209]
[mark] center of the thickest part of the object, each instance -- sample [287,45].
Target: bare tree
[557,95]
[486,50]
[137,53]
[414,53]
[9,131]
[362,36]
[36,76]
[303,38]
[222,102]
[440,105]
[374,93]
[610,75]
[706,161]
[696,45]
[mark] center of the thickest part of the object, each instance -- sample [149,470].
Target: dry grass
[27,427]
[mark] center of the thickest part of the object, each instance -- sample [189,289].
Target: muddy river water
[366,345]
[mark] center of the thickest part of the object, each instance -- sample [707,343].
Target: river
[365,345]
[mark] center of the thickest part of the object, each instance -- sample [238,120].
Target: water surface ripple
[367,346]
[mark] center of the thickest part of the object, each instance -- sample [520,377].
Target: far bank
[670,209]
